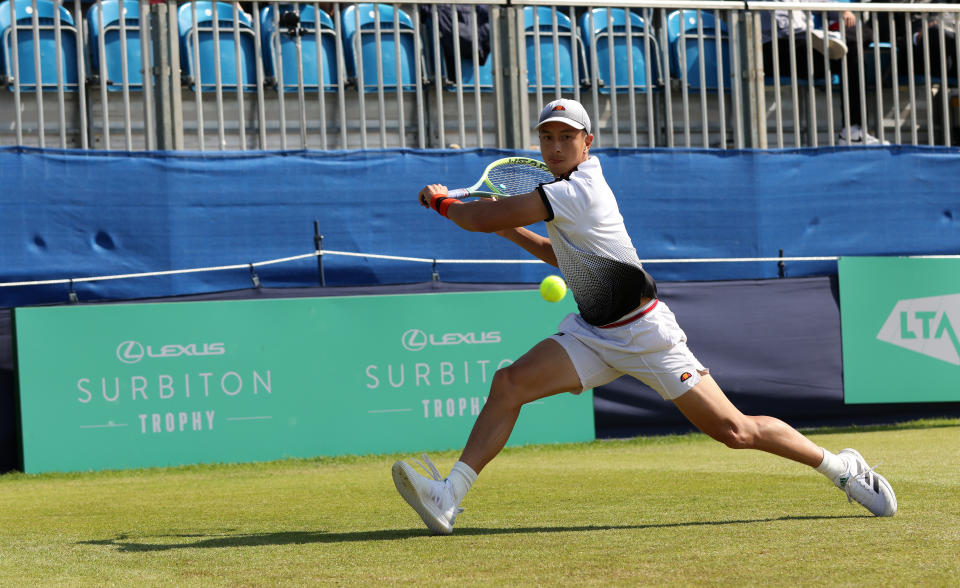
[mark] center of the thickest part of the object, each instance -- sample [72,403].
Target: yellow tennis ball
[553,288]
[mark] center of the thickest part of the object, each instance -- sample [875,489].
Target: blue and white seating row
[213,30]
[598,25]
[360,23]
[43,46]
[613,23]
[552,49]
[318,58]
[359,28]
[683,36]
[538,38]
[557,62]
[279,47]
[104,22]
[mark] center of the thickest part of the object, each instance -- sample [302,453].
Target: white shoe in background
[836,47]
[858,136]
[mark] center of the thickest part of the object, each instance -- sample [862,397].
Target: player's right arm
[506,217]
[484,215]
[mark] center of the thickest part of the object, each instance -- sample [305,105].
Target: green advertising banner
[136,385]
[900,319]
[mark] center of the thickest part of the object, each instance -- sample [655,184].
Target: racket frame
[491,191]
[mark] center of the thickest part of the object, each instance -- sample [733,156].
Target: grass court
[680,510]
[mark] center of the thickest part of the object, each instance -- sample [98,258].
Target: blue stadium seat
[538,38]
[485,74]
[600,34]
[359,24]
[685,22]
[112,54]
[46,39]
[280,46]
[206,57]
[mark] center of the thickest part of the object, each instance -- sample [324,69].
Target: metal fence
[269,75]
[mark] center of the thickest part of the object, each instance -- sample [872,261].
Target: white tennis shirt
[593,249]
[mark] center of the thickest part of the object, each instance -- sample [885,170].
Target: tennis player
[622,328]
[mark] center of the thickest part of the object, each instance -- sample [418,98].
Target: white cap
[569,112]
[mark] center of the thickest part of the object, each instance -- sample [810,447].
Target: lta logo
[925,325]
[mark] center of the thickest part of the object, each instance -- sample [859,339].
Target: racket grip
[458,193]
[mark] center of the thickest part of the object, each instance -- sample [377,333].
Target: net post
[318,249]
[254,277]
[72,294]
[781,267]
[436,274]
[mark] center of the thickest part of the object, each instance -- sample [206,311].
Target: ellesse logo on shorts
[685,376]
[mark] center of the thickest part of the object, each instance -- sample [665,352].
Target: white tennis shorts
[652,348]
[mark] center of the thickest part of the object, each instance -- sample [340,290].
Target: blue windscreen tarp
[74,214]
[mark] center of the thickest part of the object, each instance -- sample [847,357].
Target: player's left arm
[535,244]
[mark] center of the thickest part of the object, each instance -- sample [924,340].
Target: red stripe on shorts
[629,320]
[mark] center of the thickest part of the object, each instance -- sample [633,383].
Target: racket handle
[458,193]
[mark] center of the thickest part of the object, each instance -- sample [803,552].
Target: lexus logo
[414,340]
[130,352]
[134,351]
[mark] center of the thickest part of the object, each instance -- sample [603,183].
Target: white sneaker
[866,486]
[858,136]
[836,46]
[431,498]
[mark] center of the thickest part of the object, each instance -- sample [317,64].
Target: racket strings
[516,178]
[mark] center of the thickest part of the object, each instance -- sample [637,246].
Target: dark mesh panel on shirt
[605,289]
[518,178]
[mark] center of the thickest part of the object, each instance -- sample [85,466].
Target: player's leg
[663,361]
[543,371]
[709,409]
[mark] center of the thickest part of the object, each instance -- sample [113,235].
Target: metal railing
[343,75]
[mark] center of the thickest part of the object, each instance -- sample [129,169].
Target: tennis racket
[506,177]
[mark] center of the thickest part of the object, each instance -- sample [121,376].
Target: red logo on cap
[559,107]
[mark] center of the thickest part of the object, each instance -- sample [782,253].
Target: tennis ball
[553,288]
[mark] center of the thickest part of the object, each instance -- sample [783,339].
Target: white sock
[832,466]
[461,478]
